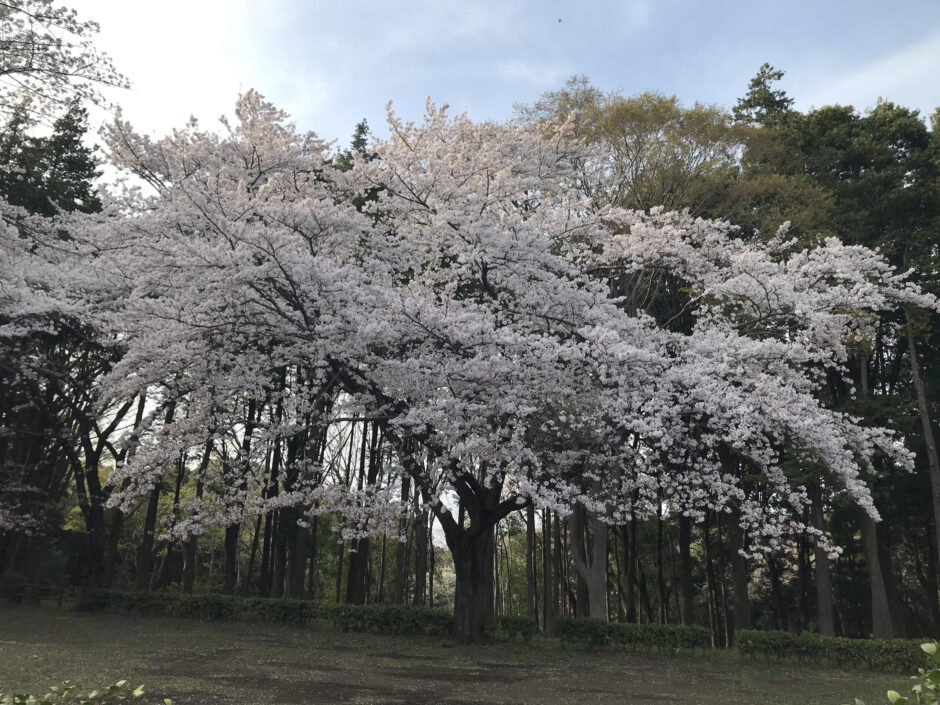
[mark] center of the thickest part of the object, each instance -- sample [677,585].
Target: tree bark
[298,562]
[531,608]
[880,610]
[145,550]
[923,411]
[740,579]
[824,613]
[590,559]
[191,544]
[686,586]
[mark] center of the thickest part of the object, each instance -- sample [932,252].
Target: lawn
[234,663]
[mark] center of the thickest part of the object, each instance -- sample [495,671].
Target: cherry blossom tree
[47,58]
[459,290]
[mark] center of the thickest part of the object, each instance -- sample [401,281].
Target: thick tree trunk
[473,595]
[686,586]
[298,562]
[356,572]
[590,559]
[230,567]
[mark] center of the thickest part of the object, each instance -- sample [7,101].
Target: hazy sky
[330,63]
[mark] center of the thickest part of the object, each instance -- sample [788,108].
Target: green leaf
[138,691]
[929,648]
[167,701]
[896,698]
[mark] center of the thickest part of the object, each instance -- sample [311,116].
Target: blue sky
[330,63]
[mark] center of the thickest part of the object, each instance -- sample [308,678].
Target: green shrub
[926,690]
[510,628]
[68,694]
[874,654]
[595,632]
[386,619]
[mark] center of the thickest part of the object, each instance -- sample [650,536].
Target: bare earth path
[207,663]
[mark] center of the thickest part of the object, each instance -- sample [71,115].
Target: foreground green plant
[68,694]
[926,690]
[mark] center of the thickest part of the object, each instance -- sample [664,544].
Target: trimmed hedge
[386,619]
[595,632]
[379,619]
[206,606]
[900,655]
[509,628]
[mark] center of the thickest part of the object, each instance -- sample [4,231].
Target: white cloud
[181,56]
[907,77]
[538,74]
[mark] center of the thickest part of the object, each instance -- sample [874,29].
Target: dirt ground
[207,663]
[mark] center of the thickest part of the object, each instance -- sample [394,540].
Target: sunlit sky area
[330,63]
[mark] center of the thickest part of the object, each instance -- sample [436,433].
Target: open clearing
[235,662]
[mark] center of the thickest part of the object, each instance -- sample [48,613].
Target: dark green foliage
[876,654]
[511,628]
[387,619]
[763,104]
[376,619]
[594,632]
[208,606]
[44,174]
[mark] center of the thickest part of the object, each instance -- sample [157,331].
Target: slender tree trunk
[421,553]
[560,571]
[629,560]
[660,574]
[402,554]
[711,586]
[531,608]
[740,579]
[548,616]
[880,610]
[686,586]
[191,545]
[313,570]
[145,550]
[431,561]
[824,614]
[930,443]
[252,555]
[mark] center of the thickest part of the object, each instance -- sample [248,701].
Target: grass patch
[208,663]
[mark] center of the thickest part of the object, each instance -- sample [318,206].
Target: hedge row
[595,632]
[900,655]
[381,619]
[208,606]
